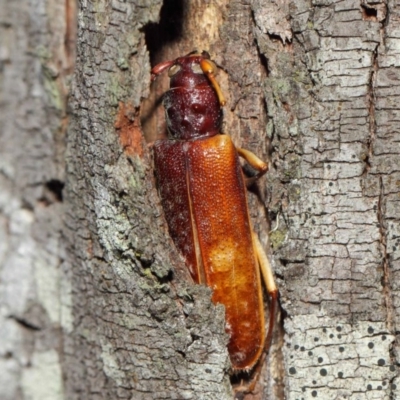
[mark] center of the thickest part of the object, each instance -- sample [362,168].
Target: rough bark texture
[332,102]
[95,302]
[138,332]
[35,58]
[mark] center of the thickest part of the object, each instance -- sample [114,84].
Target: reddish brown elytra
[203,193]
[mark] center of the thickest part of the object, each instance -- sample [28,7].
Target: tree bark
[332,105]
[36,57]
[96,302]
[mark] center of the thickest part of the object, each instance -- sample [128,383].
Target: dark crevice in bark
[384,22]
[276,38]
[371,98]
[168,30]
[52,193]
[26,324]
[381,16]
[160,38]
[371,113]
[386,279]
[56,187]
[263,61]
[369,13]
[375,12]
[183,354]
[276,346]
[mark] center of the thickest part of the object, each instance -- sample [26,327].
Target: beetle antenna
[160,68]
[208,69]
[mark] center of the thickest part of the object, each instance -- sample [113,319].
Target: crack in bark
[379,13]
[386,279]
[371,98]
[25,323]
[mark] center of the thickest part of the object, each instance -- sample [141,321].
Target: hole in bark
[194,337]
[167,31]
[55,187]
[183,354]
[284,262]
[369,13]
[160,38]
[167,278]
[275,38]
[264,62]
[52,192]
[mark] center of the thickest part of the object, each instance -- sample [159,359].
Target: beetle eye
[196,68]
[173,70]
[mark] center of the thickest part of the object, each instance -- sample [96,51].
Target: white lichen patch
[47,283]
[66,317]
[16,273]
[110,364]
[43,379]
[9,372]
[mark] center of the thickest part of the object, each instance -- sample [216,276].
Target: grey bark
[332,100]
[35,58]
[95,301]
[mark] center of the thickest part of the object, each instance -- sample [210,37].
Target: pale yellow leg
[272,289]
[265,266]
[268,278]
[260,166]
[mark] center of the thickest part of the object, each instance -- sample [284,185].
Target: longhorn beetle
[203,193]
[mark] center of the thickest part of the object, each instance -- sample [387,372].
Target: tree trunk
[37,39]
[96,302]
[332,105]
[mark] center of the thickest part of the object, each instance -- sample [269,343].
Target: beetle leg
[160,68]
[272,290]
[269,281]
[260,166]
[265,267]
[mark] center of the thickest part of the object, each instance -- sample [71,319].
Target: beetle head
[193,103]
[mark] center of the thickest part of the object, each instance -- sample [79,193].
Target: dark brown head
[193,103]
